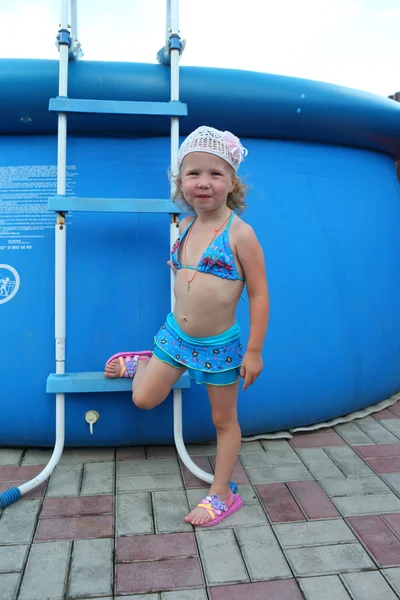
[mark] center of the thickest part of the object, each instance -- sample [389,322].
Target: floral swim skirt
[214,360]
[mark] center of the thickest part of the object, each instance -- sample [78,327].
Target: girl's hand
[251,367]
[169,263]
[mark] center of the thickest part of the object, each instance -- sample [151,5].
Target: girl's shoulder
[240,227]
[241,232]
[183,223]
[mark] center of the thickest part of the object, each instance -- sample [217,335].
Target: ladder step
[63,104]
[81,383]
[133,205]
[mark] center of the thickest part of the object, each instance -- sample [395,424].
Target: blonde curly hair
[235,200]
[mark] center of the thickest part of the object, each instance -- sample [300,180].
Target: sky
[347,42]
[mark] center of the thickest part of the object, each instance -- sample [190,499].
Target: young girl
[215,255]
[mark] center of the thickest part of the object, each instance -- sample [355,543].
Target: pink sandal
[217,509]
[128,361]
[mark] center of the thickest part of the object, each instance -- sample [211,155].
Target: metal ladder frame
[69,49]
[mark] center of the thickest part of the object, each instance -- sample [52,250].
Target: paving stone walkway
[320,521]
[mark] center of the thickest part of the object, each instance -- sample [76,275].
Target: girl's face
[206,181]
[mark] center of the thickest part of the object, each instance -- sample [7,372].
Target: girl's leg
[223,402]
[153,382]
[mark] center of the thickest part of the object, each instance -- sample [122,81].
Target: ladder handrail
[69,47]
[173,34]
[60,231]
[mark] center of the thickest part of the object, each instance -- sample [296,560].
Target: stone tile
[247,516]
[239,475]
[169,511]
[9,585]
[279,503]
[65,481]
[383,415]
[285,589]
[73,528]
[395,408]
[98,478]
[12,558]
[129,452]
[148,467]
[390,464]
[134,514]
[271,458]
[378,450]
[46,571]
[37,492]
[149,483]
[85,455]
[378,539]
[348,462]
[367,505]
[275,444]
[393,479]
[221,558]
[393,521]
[247,493]
[328,560]
[18,522]
[202,449]
[276,474]
[161,452]
[316,440]
[352,434]
[374,430]
[10,456]
[145,577]
[328,587]
[315,533]
[136,597]
[261,552]
[19,475]
[393,425]
[36,457]
[393,575]
[91,568]
[247,447]
[155,547]
[356,486]
[368,586]
[184,595]
[190,480]
[319,463]
[312,500]
[78,506]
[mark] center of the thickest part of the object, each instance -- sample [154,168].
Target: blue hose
[9,496]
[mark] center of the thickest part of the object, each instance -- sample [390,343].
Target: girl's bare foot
[125,365]
[199,515]
[112,369]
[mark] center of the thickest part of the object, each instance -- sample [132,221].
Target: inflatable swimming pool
[324,200]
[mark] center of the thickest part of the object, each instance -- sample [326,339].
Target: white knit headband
[220,143]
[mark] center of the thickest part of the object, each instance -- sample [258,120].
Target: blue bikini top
[217,258]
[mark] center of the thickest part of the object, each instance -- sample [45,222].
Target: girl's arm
[182,226]
[251,258]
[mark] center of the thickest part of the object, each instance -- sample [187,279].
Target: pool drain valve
[91,417]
